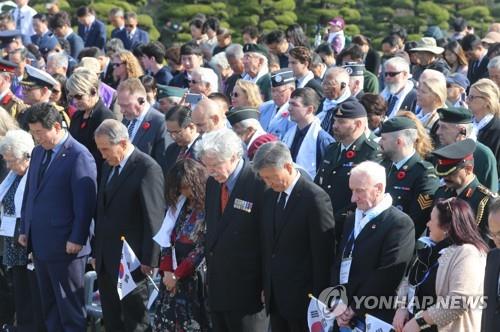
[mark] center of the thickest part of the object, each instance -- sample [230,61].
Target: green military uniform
[370,84]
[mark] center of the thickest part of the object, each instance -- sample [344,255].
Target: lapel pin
[374,226]
[64,154]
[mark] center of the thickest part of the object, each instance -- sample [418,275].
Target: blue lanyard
[426,275]
[351,237]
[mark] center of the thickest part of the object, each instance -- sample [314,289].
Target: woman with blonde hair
[423,144]
[431,95]
[125,65]
[246,93]
[483,101]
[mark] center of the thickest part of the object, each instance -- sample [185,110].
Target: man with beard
[411,181]
[399,91]
[352,147]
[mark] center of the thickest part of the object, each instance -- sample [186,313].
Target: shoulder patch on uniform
[486,191]
[424,201]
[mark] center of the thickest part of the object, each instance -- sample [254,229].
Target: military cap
[354,68]
[36,77]
[47,44]
[282,77]
[458,115]
[7,66]
[451,157]
[8,36]
[458,79]
[350,110]
[397,123]
[255,48]
[238,114]
[169,91]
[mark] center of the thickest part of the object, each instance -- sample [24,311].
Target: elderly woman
[16,149]
[449,267]
[221,65]
[125,65]
[245,93]
[431,95]
[483,101]
[83,87]
[179,305]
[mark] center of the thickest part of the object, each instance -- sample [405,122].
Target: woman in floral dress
[180,306]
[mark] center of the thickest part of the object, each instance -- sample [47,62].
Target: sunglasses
[392,74]
[78,96]
[56,91]
[115,65]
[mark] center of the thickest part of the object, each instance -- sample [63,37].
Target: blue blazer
[75,44]
[60,207]
[96,35]
[140,37]
[279,127]
[116,32]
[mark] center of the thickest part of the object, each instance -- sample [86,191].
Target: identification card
[345,267]
[411,298]
[8,226]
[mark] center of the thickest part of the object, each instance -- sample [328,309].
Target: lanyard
[349,239]
[426,275]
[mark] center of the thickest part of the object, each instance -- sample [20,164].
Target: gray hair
[208,76]
[17,142]
[371,170]
[339,74]
[272,155]
[224,143]
[234,50]
[251,123]
[114,130]
[220,60]
[400,63]
[409,136]
[265,64]
[494,63]
[60,60]
[116,12]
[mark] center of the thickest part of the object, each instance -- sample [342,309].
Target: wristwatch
[421,321]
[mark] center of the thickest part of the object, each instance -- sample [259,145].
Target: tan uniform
[13,105]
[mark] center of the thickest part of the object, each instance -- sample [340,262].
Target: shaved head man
[208,116]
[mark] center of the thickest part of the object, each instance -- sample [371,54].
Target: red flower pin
[285,114]
[401,175]
[146,125]
[83,125]
[350,154]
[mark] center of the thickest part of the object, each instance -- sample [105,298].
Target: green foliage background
[373,18]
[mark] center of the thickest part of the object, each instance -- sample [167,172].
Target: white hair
[114,130]
[339,74]
[235,50]
[400,63]
[60,60]
[370,170]
[17,142]
[208,76]
[265,64]
[224,143]
[494,63]
[220,60]
[251,123]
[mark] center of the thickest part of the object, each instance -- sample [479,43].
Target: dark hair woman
[452,263]
[179,305]
[455,57]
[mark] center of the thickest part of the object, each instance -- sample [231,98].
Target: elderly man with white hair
[256,67]
[203,81]
[221,66]
[399,91]
[233,234]
[494,70]
[208,116]
[234,55]
[376,247]
[57,63]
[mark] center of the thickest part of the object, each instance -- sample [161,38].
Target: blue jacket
[140,37]
[279,126]
[96,36]
[75,44]
[60,207]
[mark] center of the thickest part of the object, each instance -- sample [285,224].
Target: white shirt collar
[305,79]
[288,191]
[401,163]
[124,161]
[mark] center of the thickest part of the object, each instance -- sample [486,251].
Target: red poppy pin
[83,125]
[6,99]
[146,125]
[350,154]
[401,175]
[285,114]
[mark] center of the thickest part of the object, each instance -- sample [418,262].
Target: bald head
[208,116]
[432,74]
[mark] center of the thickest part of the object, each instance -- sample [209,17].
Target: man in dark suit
[59,204]
[43,36]
[233,236]
[153,55]
[377,244]
[130,204]
[298,238]
[92,31]
[399,91]
[234,55]
[146,125]
[491,314]
[475,52]
[132,36]
[116,17]
[60,24]
[299,60]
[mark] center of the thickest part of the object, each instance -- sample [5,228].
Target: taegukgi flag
[128,263]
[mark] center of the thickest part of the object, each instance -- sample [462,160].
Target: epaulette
[486,191]
[372,144]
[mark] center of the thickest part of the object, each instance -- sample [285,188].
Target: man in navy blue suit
[92,31]
[116,17]
[59,203]
[132,36]
[60,24]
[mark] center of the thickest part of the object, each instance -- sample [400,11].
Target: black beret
[455,115]
[350,110]
[397,123]
[450,157]
[238,114]
[255,48]
[282,77]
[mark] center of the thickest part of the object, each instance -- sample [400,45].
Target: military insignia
[469,192]
[374,226]
[278,78]
[424,201]
[320,180]
[243,205]
[348,70]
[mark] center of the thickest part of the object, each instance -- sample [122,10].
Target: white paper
[345,267]
[8,226]
[373,324]
[163,235]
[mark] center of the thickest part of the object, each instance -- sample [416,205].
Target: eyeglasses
[56,91]
[117,64]
[30,88]
[392,73]
[77,96]
[472,97]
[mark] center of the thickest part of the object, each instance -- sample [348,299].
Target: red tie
[224,197]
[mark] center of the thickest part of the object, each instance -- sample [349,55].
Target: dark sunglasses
[78,96]
[56,91]
[392,74]
[117,64]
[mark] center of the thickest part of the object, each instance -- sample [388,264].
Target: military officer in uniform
[352,147]
[455,164]
[8,100]
[411,181]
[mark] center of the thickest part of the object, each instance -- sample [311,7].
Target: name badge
[8,226]
[411,298]
[243,205]
[345,267]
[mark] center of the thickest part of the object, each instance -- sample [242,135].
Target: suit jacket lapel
[293,201]
[141,131]
[113,186]
[52,166]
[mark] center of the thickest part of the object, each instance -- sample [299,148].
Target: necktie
[326,124]
[297,83]
[114,175]
[224,197]
[45,164]
[131,127]
[391,103]
[279,211]
[18,21]
[393,169]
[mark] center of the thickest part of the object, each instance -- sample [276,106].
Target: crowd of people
[248,176]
